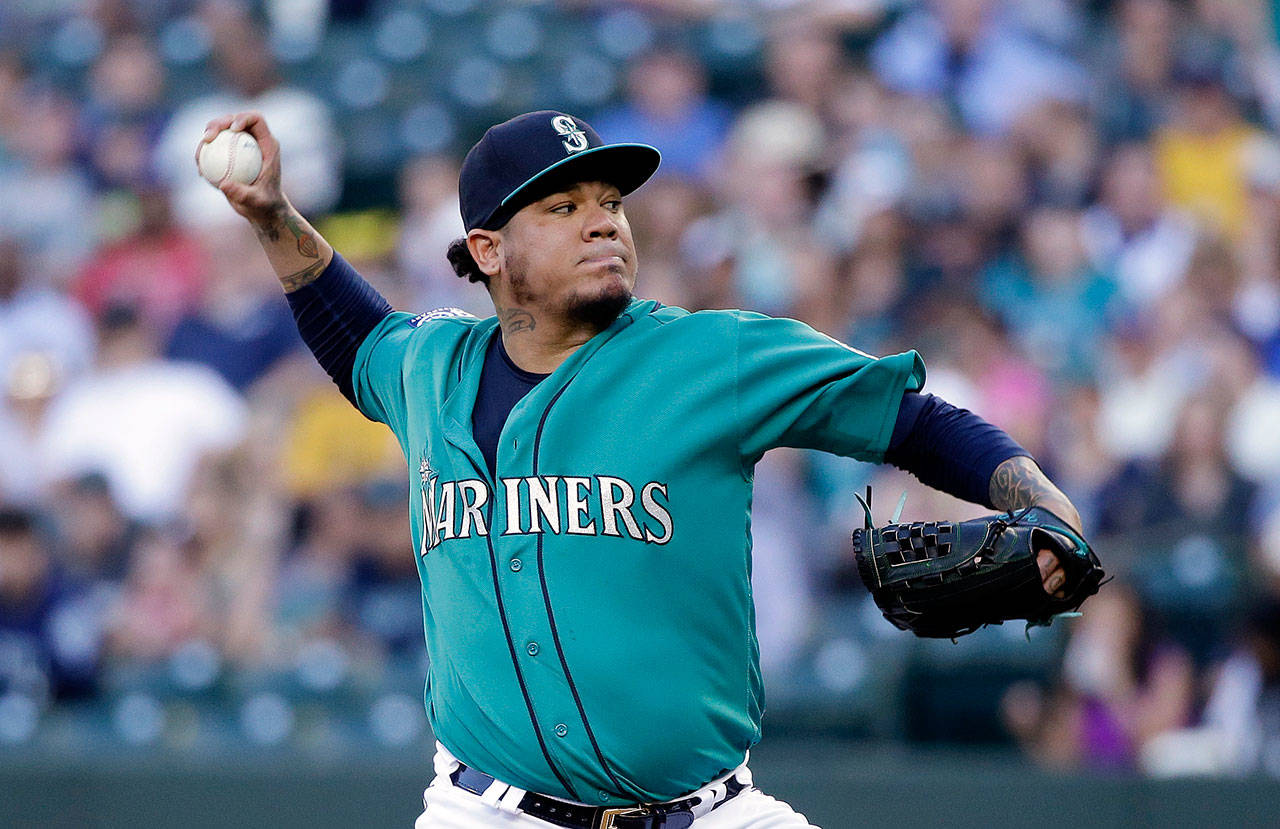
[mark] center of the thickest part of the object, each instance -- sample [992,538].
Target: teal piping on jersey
[573,157]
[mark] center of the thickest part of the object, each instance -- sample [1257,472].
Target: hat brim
[625,166]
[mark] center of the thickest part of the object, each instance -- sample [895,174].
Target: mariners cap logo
[575,140]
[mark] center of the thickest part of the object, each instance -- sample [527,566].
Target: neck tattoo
[515,320]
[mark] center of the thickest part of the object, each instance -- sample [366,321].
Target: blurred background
[1070,207]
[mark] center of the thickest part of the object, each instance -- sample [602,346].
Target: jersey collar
[461,401]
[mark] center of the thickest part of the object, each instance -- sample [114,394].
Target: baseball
[231,155]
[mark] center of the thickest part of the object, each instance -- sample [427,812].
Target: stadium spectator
[1132,234]
[1076,454]
[872,174]
[166,601]
[784,568]
[385,598]
[803,64]
[250,79]
[1191,483]
[1154,364]
[121,120]
[50,631]
[429,220]
[155,265]
[44,195]
[1135,62]
[667,106]
[37,318]
[1191,507]
[1054,304]
[95,538]
[315,578]
[34,378]
[994,194]
[1253,444]
[1123,684]
[669,206]
[761,231]
[872,285]
[140,421]
[1009,387]
[977,56]
[237,529]
[1061,147]
[241,327]
[13,79]
[328,445]
[1201,151]
[1242,715]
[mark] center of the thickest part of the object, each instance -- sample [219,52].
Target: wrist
[268,221]
[1018,483]
[1062,508]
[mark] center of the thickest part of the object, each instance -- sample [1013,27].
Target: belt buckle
[608,816]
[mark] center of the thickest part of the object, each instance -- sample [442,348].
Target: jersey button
[516,564]
[561,730]
[603,795]
[533,651]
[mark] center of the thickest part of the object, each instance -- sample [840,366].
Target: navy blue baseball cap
[520,161]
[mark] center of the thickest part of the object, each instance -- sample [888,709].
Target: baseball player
[581,482]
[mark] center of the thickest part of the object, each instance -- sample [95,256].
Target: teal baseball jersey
[588,609]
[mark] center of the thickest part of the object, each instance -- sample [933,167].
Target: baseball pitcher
[580,491]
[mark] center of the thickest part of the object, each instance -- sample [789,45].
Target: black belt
[675,814]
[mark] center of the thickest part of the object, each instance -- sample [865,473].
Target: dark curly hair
[464,264]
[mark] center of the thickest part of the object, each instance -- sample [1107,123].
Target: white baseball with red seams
[231,155]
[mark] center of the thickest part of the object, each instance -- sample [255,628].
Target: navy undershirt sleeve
[334,314]
[949,448]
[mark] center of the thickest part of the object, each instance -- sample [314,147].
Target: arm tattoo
[1019,483]
[289,219]
[306,276]
[515,320]
[306,242]
[269,227]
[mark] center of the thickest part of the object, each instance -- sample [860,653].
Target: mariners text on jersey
[577,505]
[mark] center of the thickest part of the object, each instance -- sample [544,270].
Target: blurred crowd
[1071,209]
